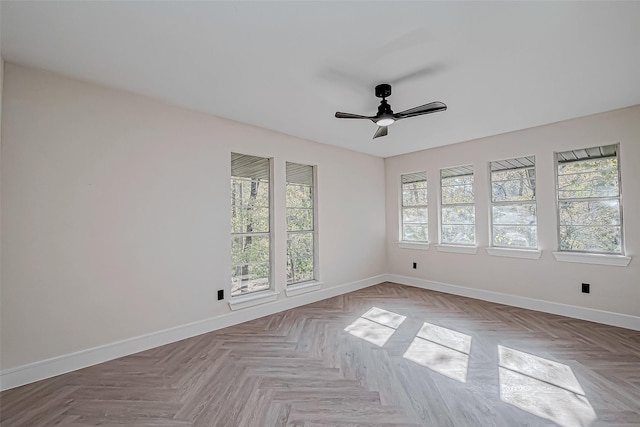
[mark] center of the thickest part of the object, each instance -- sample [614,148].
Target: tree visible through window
[300,224]
[458,212]
[250,224]
[415,224]
[513,203]
[588,190]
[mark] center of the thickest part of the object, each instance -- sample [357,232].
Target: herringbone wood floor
[451,361]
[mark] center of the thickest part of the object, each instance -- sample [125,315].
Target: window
[301,236]
[415,227]
[589,209]
[250,224]
[457,210]
[513,203]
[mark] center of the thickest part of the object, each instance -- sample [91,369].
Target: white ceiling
[289,66]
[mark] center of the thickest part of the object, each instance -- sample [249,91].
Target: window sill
[459,249]
[515,253]
[423,246]
[602,259]
[303,288]
[245,301]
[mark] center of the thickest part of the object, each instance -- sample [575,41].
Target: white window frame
[269,234]
[519,163]
[580,255]
[443,244]
[313,232]
[421,206]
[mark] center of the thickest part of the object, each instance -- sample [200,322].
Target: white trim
[423,246]
[14,377]
[584,313]
[246,301]
[584,258]
[459,249]
[303,288]
[514,253]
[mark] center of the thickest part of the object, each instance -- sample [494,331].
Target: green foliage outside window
[513,210]
[457,207]
[415,223]
[250,229]
[589,211]
[300,224]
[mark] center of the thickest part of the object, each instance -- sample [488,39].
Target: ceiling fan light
[385,122]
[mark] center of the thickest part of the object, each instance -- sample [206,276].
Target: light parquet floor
[451,361]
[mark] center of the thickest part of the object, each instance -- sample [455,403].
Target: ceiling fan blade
[382,131]
[432,107]
[340,115]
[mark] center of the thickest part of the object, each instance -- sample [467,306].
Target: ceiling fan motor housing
[383,90]
[384,109]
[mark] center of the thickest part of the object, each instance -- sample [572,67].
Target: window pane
[249,278]
[416,185]
[249,249]
[458,234]
[514,214]
[458,215]
[415,232]
[413,197]
[593,165]
[299,257]
[245,192]
[299,245]
[590,238]
[523,189]
[299,219]
[518,236]
[457,194]
[591,184]
[514,174]
[414,215]
[249,220]
[299,196]
[456,180]
[300,270]
[597,212]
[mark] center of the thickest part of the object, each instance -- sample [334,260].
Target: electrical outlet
[415,265]
[586,288]
[220,294]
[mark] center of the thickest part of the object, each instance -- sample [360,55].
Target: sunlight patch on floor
[384,317]
[376,326]
[543,388]
[442,350]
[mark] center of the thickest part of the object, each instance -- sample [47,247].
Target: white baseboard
[48,368]
[37,371]
[593,315]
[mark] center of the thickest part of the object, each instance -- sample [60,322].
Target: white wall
[115,217]
[613,289]
[116,214]
[1,86]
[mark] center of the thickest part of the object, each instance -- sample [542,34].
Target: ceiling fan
[386,117]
